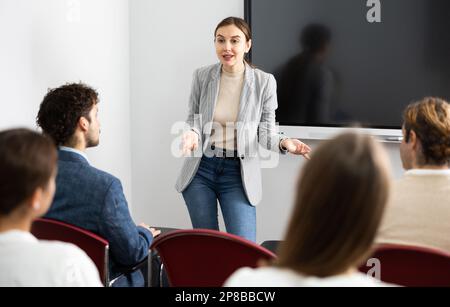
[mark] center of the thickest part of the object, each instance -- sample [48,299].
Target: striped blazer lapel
[245,107]
[246,91]
[212,96]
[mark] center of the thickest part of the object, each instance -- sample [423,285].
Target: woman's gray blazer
[256,124]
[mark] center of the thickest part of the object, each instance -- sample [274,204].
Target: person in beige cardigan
[418,212]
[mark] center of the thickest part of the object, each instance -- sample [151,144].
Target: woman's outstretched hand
[296,147]
[190,142]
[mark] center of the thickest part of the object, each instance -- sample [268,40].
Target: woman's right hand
[190,142]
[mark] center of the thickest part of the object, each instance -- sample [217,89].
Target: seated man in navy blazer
[85,196]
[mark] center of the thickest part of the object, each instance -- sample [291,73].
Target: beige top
[223,134]
[418,212]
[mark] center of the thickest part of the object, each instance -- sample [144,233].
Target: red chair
[94,246]
[412,266]
[205,258]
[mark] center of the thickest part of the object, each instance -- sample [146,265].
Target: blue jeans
[220,180]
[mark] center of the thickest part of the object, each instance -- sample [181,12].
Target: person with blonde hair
[418,212]
[341,196]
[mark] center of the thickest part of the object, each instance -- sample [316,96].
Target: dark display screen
[341,62]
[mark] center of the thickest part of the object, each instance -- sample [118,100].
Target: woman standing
[231,110]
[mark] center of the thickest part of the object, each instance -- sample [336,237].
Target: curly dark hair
[63,107]
[430,120]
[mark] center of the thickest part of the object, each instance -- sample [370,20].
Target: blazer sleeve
[194,120]
[128,243]
[269,137]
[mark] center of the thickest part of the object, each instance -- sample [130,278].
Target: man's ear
[83,123]
[413,138]
[35,200]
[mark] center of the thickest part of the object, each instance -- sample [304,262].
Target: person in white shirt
[418,211]
[28,164]
[341,197]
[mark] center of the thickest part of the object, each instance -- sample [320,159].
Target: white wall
[47,43]
[169,40]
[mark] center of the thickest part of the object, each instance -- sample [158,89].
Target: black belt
[225,154]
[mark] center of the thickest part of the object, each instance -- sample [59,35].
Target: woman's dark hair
[242,25]
[430,120]
[341,196]
[27,162]
[62,108]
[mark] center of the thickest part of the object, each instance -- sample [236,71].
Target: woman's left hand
[296,147]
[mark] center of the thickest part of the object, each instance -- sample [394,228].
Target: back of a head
[341,197]
[430,120]
[62,108]
[27,162]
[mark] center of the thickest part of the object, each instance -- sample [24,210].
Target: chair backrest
[94,246]
[412,266]
[272,245]
[205,258]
